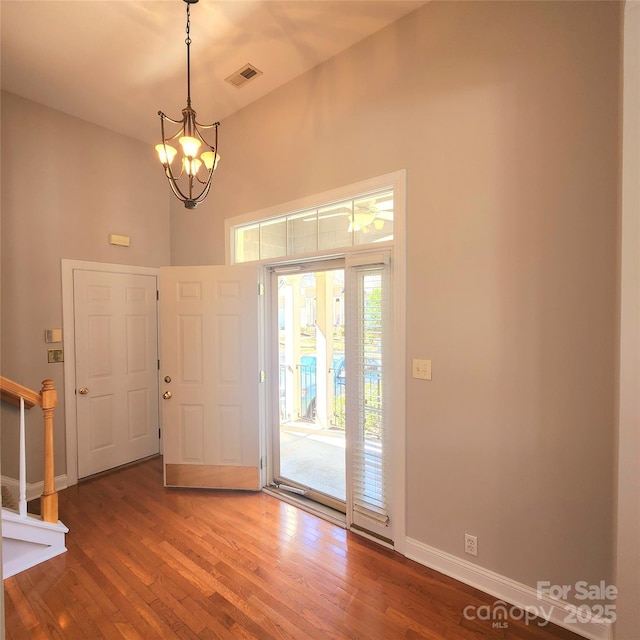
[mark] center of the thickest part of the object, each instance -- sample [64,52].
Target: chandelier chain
[188,38]
[188,43]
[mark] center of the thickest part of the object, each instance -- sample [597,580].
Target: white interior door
[116,346]
[210,376]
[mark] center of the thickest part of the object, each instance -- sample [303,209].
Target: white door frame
[68,329]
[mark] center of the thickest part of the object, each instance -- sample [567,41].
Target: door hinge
[158,365]
[263,376]
[157,294]
[263,462]
[260,289]
[159,433]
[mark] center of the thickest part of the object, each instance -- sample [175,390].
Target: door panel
[309,443]
[209,355]
[116,368]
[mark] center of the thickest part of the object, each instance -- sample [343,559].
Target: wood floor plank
[146,562]
[17,608]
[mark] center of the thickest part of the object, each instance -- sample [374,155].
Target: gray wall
[66,185]
[506,117]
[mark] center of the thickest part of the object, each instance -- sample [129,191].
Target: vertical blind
[370,297]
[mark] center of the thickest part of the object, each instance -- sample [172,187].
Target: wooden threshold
[199,476]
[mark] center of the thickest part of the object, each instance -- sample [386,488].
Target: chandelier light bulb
[189,146]
[191,165]
[210,159]
[166,153]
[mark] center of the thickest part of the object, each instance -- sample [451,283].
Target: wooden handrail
[47,399]
[13,391]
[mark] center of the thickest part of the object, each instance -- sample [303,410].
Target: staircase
[28,540]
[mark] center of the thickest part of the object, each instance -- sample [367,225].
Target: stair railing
[47,399]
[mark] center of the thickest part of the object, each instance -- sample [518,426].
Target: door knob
[166,395]
[83,391]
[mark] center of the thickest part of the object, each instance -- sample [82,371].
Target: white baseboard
[34,489]
[508,592]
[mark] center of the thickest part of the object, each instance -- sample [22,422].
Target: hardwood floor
[147,562]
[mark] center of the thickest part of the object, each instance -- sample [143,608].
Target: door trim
[68,334]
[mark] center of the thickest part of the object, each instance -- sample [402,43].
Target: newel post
[49,501]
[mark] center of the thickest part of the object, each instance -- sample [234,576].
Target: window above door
[352,217]
[366,219]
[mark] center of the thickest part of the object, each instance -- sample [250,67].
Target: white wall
[506,117]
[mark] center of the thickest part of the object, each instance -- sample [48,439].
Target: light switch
[53,335]
[422,369]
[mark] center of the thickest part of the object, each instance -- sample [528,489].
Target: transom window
[365,219]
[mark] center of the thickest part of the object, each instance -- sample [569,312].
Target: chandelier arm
[204,192]
[173,137]
[208,180]
[176,190]
[208,126]
[173,181]
[167,167]
[189,198]
[164,116]
[207,184]
[212,147]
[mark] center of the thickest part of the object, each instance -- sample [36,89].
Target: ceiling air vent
[243,75]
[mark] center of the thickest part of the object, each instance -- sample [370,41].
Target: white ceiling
[117,62]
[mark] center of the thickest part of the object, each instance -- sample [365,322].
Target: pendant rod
[188,43]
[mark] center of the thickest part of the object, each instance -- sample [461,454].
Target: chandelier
[191,181]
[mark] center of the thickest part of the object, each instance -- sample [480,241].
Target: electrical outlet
[470,544]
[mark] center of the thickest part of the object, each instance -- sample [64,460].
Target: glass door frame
[274,474]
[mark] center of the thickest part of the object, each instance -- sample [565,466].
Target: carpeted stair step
[8,501]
